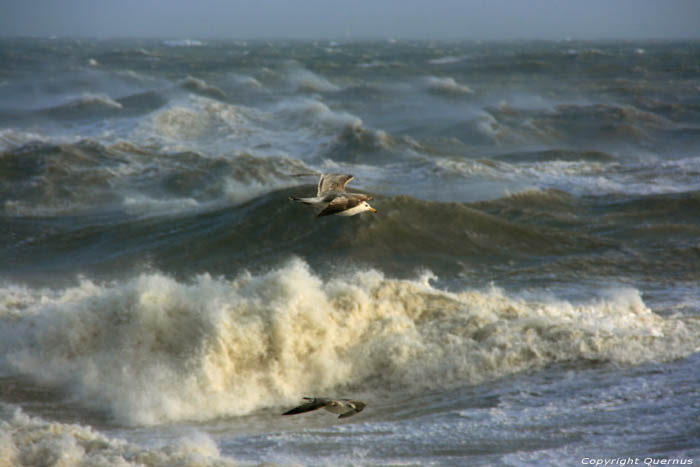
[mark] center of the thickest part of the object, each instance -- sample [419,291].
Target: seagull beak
[373,210]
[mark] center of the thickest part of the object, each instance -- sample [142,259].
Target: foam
[151,349]
[199,85]
[10,138]
[580,177]
[314,110]
[83,183]
[447,85]
[26,440]
[208,126]
[199,117]
[138,204]
[96,100]
[247,81]
[305,80]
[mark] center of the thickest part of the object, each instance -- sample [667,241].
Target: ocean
[528,292]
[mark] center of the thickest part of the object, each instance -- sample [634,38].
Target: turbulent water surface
[527,294]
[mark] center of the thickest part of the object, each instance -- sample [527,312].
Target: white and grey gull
[331,197]
[344,407]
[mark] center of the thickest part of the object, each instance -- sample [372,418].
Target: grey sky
[470,19]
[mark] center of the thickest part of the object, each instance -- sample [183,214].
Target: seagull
[332,198]
[345,407]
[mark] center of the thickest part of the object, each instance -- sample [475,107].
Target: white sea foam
[579,177]
[306,80]
[247,81]
[152,349]
[311,114]
[199,85]
[209,126]
[27,440]
[10,138]
[96,100]
[200,117]
[446,85]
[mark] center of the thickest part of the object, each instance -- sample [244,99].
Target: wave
[202,87]
[447,60]
[27,440]
[199,118]
[13,139]
[248,82]
[95,100]
[151,349]
[183,43]
[447,85]
[356,138]
[597,127]
[210,126]
[314,112]
[88,105]
[581,172]
[547,155]
[435,233]
[307,81]
[340,136]
[580,124]
[41,179]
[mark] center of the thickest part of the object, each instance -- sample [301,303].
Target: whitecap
[153,349]
[29,440]
[199,85]
[96,100]
[446,85]
[305,80]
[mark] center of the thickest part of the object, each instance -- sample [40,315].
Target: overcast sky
[354,19]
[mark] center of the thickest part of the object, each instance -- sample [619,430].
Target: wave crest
[152,349]
[26,440]
[447,85]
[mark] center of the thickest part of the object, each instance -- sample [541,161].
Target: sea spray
[152,349]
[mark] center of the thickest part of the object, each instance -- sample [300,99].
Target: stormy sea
[527,293]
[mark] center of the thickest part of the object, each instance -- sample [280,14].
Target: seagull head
[366,207]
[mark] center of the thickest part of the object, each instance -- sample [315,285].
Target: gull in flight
[345,407]
[332,198]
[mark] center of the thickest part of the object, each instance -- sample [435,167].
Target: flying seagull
[331,197]
[345,407]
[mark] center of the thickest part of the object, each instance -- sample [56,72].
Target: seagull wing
[358,406]
[349,413]
[339,204]
[314,403]
[333,182]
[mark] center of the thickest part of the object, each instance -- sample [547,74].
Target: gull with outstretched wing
[331,197]
[344,407]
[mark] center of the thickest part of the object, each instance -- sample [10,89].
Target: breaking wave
[200,86]
[153,349]
[305,80]
[447,86]
[40,179]
[27,440]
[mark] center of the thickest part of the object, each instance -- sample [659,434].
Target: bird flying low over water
[345,407]
[331,197]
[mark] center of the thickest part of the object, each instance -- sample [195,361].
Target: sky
[354,19]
